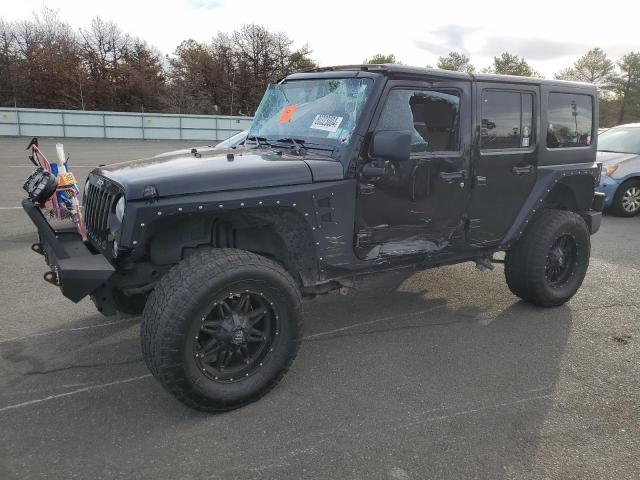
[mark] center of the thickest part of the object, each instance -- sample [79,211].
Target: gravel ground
[437,374]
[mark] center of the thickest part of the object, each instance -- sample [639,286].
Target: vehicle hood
[610,158]
[187,151]
[216,171]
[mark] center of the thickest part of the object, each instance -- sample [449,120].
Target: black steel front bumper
[77,270]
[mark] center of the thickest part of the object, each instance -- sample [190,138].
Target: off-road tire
[526,263]
[616,206]
[182,298]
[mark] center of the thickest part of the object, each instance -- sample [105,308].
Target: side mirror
[392,145]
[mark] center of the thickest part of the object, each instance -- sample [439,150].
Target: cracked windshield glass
[312,111]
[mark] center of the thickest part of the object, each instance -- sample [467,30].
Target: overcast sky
[549,34]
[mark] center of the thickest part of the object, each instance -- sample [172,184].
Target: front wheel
[548,264]
[222,328]
[626,201]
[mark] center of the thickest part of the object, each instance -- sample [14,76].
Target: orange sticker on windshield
[287,114]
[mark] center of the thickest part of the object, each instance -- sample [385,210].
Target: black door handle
[522,170]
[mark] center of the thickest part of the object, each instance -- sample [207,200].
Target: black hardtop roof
[396,70]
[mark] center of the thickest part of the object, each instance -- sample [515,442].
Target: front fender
[326,210]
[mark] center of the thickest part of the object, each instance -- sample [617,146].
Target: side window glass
[431,116]
[570,119]
[507,120]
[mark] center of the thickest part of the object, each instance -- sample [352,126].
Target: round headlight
[120,207]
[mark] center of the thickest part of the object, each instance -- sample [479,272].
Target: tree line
[44,63]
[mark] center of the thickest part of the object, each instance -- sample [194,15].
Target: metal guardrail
[35,122]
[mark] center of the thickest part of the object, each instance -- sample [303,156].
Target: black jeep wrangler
[346,171]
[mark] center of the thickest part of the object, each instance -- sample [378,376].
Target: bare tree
[43,63]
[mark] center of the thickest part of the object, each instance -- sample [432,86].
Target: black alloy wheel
[561,261]
[236,336]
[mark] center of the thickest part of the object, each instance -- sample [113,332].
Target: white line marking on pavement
[72,392]
[370,322]
[10,208]
[63,330]
[473,410]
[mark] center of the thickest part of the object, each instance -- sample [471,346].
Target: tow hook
[37,247]
[52,278]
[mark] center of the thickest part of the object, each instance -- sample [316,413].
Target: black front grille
[99,203]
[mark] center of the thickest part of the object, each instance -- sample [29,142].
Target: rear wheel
[222,328]
[626,201]
[548,264]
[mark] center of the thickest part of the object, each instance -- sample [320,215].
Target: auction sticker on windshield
[329,123]
[287,114]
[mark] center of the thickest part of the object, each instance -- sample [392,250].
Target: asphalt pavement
[441,374]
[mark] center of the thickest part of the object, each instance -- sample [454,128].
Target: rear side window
[507,120]
[570,120]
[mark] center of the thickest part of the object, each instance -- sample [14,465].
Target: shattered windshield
[322,111]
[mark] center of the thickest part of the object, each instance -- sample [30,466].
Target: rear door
[504,159]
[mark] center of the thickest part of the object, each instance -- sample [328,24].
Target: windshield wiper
[260,141]
[296,144]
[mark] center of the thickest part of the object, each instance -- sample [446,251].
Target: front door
[417,206]
[504,160]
